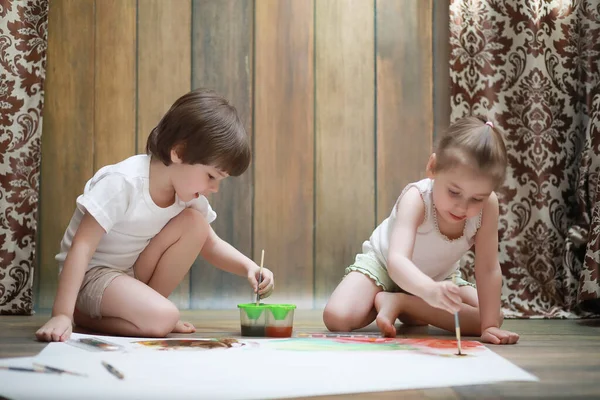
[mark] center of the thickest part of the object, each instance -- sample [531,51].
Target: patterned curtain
[533,68]
[23,39]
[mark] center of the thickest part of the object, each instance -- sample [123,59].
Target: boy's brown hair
[472,142]
[204,129]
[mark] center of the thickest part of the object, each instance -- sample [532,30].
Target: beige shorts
[95,281]
[369,265]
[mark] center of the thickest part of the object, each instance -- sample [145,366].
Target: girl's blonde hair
[473,142]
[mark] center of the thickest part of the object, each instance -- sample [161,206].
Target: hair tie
[490,123]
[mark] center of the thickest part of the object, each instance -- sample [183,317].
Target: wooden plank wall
[222,56]
[345,145]
[163,74]
[336,94]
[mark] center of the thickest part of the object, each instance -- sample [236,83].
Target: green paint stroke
[313,344]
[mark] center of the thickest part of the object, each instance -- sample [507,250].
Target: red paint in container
[278,331]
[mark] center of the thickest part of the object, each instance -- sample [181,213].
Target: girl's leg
[140,307]
[393,305]
[350,306]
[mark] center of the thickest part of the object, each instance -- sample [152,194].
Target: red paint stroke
[444,343]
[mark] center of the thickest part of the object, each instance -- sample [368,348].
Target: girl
[141,223]
[406,268]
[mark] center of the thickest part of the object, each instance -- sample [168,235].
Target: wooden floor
[563,354]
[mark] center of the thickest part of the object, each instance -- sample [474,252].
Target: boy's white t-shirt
[118,197]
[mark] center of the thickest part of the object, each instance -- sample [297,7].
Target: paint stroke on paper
[428,346]
[190,344]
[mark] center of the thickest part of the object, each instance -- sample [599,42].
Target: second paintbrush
[457,324]
[262,259]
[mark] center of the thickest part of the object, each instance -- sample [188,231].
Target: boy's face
[191,181]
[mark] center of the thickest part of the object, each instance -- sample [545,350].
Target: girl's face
[192,181]
[459,193]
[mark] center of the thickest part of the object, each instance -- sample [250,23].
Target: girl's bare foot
[389,307]
[184,327]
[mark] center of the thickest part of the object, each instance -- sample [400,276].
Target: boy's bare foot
[388,306]
[184,327]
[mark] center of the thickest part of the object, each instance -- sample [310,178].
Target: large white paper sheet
[261,369]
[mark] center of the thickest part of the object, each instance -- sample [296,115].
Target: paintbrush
[42,369]
[57,370]
[262,259]
[456,323]
[26,369]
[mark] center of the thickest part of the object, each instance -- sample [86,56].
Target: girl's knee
[161,321]
[337,320]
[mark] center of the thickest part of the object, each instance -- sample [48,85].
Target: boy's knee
[162,320]
[194,223]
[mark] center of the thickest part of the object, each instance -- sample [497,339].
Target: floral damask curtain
[533,67]
[23,39]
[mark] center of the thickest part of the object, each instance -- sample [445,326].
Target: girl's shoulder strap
[473,225]
[424,187]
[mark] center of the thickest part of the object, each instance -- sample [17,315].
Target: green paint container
[266,320]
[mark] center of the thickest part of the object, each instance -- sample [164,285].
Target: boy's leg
[131,308]
[168,257]
[350,306]
[170,254]
[392,305]
[159,269]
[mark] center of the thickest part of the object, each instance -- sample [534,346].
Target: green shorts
[369,265]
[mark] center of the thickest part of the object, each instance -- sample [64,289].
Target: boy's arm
[86,239]
[487,268]
[410,214]
[226,257]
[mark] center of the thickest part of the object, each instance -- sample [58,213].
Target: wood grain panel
[284,145]
[345,153]
[163,75]
[222,61]
[441,69]
[404,96]
[67,138]
[115,105]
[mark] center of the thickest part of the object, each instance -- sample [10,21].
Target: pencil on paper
[113,370]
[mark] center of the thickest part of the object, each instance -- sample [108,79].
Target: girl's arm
[487,267]
[489,276]
[86,239]
[227,258]
[410,214]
